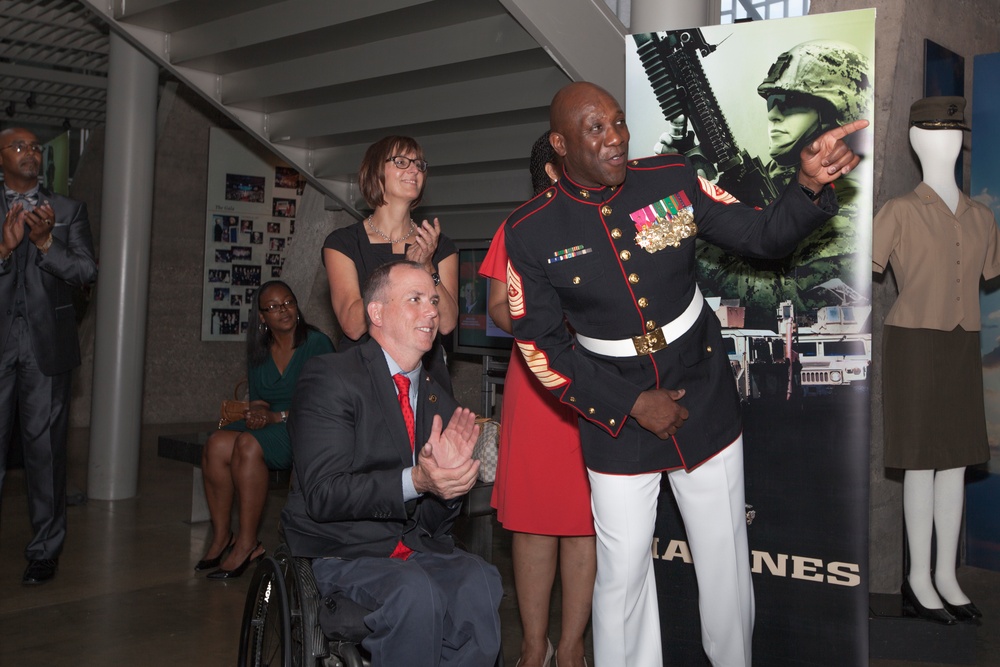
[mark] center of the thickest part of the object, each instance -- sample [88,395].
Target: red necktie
[403,385]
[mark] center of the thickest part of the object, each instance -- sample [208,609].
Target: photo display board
[798,330]
[249,224]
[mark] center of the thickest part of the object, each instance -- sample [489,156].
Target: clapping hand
[425,244]
[40,221]
[445,466]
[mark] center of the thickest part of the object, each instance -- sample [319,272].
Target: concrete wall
[967,27]
[186,378]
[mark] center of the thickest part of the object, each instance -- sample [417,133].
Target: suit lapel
[426,400]
[388,403]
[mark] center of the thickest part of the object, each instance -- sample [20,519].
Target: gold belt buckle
[649,343]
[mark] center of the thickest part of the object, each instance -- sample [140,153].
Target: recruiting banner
[983,491]
[252,198]
[740,101]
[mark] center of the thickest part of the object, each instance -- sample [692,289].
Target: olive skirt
[932,391]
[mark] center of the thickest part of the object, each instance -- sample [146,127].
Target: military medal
[664,223]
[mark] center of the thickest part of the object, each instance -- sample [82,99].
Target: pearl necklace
[375,229]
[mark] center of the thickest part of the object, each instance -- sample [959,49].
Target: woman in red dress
[541,492]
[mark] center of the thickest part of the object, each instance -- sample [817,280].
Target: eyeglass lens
[403,162]
[275,307]
[21,147]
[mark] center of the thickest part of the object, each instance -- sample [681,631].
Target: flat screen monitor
[476,333]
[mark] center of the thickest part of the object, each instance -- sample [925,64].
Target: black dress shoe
[39,571]
[210,563]
[963,612]
[912,607]
[241,568]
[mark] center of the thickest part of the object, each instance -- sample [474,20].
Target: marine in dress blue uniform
[612,248]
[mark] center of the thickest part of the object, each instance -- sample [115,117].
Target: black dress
[352,241]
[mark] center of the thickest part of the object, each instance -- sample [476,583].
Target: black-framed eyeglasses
[21,147]
[291,304]
[403,162]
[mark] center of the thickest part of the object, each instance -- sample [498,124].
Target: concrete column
[122,287]
[653,15]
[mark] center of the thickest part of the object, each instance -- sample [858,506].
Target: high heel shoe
[963,612]
[912,607]
[550,651]
[241,568]
[209,563]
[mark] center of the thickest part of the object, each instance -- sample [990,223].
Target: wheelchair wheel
[310,647]
[265,634]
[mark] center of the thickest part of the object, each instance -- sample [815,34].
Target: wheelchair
[281,620]
[281,626]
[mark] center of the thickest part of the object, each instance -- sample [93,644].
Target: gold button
[548,194]
[625,255]
[643,302]
[572,399]
[584,194]
[616,233]
[708,348]
[611,422]
[633,278]
[576,280]
[591,411]
[605,210]
[635,163]
[650,325]
[432,398]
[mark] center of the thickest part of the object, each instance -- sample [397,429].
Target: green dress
[267,384]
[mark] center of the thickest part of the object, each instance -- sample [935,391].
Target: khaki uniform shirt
[937,257]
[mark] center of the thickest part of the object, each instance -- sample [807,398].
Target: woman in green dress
[237,456]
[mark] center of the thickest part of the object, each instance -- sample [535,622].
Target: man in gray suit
[45,252]
[378,483]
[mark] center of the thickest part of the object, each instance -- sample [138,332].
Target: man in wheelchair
[378,484]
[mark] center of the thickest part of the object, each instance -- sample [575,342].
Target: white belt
[654,341]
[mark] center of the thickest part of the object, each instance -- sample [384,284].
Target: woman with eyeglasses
[392,177]
[238,456]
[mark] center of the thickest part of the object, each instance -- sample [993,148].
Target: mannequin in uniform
[939,242]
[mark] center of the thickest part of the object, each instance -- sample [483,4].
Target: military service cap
[944,112]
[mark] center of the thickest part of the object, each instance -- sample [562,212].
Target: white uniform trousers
[626,616]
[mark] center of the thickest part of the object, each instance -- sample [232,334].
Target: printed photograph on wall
[283,208]
[286,177]
[244,243]
[740,102]
[245,188]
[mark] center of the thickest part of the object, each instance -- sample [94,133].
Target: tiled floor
[126,593]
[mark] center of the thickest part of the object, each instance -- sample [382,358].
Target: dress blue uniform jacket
[574,252]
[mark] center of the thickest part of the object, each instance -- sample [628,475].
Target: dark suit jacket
[49,280]
[349,447]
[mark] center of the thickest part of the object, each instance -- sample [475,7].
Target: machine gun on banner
[673,66]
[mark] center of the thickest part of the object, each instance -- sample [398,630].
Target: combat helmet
[831,71]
